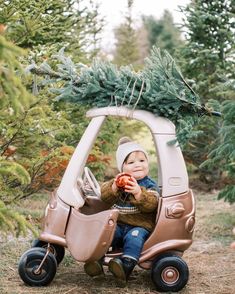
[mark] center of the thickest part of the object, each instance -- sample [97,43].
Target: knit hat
[125,147]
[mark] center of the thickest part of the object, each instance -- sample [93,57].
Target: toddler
[137,205]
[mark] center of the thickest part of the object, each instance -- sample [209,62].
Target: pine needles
[159,88]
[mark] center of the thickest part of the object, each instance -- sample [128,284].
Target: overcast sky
[113,11]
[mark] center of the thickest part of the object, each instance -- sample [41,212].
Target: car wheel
[29,264]
[170,273]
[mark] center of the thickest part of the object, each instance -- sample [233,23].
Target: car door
[89,237]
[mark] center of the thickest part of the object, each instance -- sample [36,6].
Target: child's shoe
[94,268]
[121,268]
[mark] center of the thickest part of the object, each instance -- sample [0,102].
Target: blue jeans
[131,239]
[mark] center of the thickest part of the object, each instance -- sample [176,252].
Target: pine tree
[163,33]
[209,65]
[223,154]
[95,23]
[126,51]
[13,99]
[210,48]
[40,130]
[34,131]
[52,24]
[27,125]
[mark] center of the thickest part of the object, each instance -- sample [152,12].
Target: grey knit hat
[125,147]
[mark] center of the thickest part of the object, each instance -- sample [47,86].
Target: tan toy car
[85,225]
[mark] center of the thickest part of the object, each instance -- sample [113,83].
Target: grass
[33,208]
[218,218]
[220,226]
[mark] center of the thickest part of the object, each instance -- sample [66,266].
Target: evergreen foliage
[126,51]
[163,33]
[11,221]
[31,135]
[159,88]
[53,23]
[210,46]
[94,25]
[13,169]
[13,95]
[223,153]
[26,127]
[34,131]
[208,61]
[13,100]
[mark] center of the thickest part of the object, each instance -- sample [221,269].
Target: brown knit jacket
[145,208]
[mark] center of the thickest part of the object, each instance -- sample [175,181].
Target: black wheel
[169,273]
[57,250]
[29,263]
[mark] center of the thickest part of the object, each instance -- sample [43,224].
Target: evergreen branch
[166,92]
[52,74]
[14,169]
[14,136]
[12,221]
[25,195]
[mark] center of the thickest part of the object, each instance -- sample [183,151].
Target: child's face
[136,165]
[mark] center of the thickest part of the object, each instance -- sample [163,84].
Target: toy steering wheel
[94,185]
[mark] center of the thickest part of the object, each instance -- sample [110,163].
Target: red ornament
[122,180]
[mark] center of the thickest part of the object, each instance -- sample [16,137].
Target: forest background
[38,132]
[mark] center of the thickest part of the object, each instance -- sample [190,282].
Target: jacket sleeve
[148,201]
[107,194]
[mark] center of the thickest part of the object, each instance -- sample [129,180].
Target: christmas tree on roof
[159,88]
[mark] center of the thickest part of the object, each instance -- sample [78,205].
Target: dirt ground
[210,259]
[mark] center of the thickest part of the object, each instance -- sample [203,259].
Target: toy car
[85,225]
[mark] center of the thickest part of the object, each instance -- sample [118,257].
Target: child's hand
[133,188]
[120,181]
